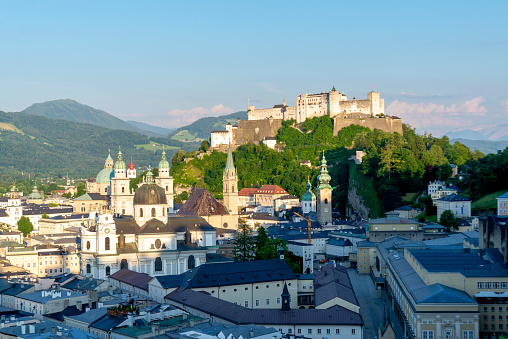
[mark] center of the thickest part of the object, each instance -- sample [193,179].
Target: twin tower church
[140,231]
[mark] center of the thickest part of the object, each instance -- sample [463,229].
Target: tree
[261,241]
[204,146]
[45,216]
[448,220]
[244,242]
[25,226]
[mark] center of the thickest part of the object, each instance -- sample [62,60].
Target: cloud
[413,95]
[182,117]
[436,117]
[505,104]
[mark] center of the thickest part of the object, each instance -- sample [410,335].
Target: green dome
[119,164]
[308,196]
[35,194]
[164,162]
[104,176]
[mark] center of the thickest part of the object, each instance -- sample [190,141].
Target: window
[268,301]
[257,302]
[88,268]
[124,264]
[106,244]
[299,331]
[246,303]
[123,189]
[309,331]
[141,212]
[290,330]
[353,331]
[496,285]
[108,270]
[504,285]
[158,264]
[488,285]
[191,262]
[304,287]
[427,334]
[500,309]
[319,331]
[327,331]
[278,301]
[481,285]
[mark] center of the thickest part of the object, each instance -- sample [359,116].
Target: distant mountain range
[498,132]
[201,129]
[70,110]
[150,128]
[484,146]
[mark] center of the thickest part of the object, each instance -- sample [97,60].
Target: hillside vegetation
[42,146]
[201,129]
[67,109]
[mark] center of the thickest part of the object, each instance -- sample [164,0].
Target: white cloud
[505,104]
[437,117]
[182,117]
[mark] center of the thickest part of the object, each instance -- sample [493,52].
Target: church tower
[121,196]
[165,180]
[230,185]
[324,194]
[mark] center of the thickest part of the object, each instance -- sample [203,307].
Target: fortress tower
[230,185]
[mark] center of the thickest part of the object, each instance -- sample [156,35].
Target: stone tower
[121,196]
[324,194]
[230,185]
[165,180]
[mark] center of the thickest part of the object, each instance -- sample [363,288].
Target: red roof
[271,189]
[248,192]
[131,165]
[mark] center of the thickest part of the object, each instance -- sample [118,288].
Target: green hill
[484,146]
[201,129]
[43,146]
[71,110]
[488,201]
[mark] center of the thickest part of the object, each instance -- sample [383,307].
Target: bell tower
[230,185]
[165,180]
[121,197]
[324,194]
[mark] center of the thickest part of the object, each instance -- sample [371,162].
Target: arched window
[191,263]
[326,201]
[153,211]
[167,188]
[88,268]
[141,212]
[107,244]
[158,264]
[124,264]
[108,270]
[233,188]
[123,189]
[225,225]
[163,211]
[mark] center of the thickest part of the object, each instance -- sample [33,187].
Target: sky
[439,65]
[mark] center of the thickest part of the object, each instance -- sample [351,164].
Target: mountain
[71,110]
[484,146]
[498,132]
[150,128]
[43,146]
[201,129]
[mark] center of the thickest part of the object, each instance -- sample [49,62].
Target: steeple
[131,165]
[109,160]
[324,178]
[333,89]
[164,162]
[285,298]
[149,176]
[230,170]
[119,164]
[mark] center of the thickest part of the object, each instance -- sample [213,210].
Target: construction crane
[308,226]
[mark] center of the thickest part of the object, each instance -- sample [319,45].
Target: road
[371,306]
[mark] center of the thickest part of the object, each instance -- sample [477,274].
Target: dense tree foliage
[448,220]
[245,246]
[25,226]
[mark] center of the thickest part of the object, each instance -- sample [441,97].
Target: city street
[371,306]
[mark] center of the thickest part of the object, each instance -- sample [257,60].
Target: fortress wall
[255,130]
[264,113]
[386,124]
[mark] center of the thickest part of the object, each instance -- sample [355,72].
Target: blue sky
[439,65]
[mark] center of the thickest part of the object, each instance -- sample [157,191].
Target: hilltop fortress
[264,123]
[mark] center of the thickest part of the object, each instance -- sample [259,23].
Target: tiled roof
[333,282]
[129,277]
[339,242]
[239,315]
[503,196]
[248,192]
[230,273]
[453,197]
[201,202]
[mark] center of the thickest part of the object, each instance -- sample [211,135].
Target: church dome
[164,162]
[104,176]
[119,164]
[308,195]
[150,194]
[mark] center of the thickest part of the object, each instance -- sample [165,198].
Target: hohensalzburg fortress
[333,103]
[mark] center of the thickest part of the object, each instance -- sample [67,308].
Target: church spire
[230,170]
[324,178]
[285,298]
[119,164]
[149,176]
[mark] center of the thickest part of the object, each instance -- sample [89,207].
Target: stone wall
[253,131]
[387,124]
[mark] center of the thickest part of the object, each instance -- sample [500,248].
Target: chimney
[147,316]
[130,319]
[23,329]
[251,333]
[53,330]
[59,333]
